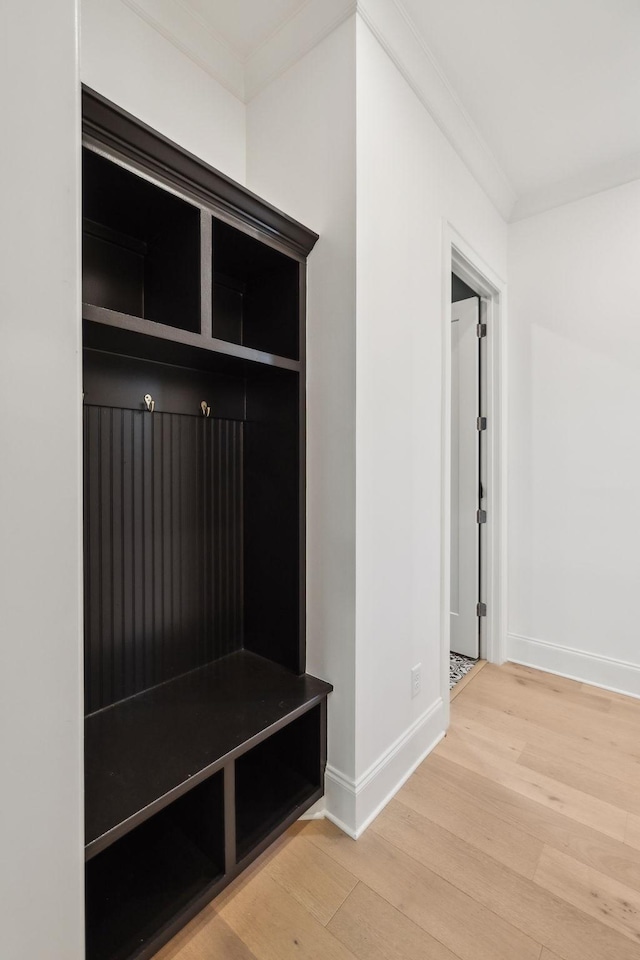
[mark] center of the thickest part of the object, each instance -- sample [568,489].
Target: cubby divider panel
[273,556]
[144,881]
[276,778]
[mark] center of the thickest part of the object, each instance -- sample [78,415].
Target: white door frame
[459,257]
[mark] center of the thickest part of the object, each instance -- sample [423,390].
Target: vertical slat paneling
[106,537]
[163,547]
[117,554]
[158,586]
[148,539]
[137,512]
[172,484]
[128,585]
[93,631]
[166,529]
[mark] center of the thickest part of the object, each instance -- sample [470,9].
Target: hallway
[519,836]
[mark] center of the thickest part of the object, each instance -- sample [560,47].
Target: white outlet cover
[416,680]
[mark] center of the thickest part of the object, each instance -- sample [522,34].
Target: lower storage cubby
[138,886]
[277,779]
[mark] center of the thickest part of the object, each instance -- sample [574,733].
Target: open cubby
[148,748]
[255,293]
[275,778]
[141,246]
[144,880]
[204,736]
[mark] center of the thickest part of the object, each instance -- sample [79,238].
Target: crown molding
[293,39]
[394,30]
[396,33]
[605,176]
[392,26]
[182,26]
[185,29]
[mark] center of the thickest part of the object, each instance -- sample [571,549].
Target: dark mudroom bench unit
[204,736]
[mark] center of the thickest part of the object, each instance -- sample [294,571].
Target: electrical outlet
[416,680]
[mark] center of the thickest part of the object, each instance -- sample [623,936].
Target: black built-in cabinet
[204,736]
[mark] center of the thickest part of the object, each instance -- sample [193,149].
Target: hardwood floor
[518,838]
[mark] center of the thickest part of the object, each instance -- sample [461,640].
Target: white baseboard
[353,804]
[605,672]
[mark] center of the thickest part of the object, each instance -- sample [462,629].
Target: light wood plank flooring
[518,838]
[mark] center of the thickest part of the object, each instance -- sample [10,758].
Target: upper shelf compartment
[256,293]
[141,247]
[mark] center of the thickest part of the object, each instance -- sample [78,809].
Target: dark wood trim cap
[107,123]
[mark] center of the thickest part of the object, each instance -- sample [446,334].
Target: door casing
[459,256]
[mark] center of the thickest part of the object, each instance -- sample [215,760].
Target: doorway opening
[468,482]
[474,479]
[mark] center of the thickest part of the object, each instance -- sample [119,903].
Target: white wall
[130,63]
[41,872]
[410,181]
[386,351]
[575,442]
[301,157]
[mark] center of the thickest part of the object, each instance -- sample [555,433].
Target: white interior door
[465,477]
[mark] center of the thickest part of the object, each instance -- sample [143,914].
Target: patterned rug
[458,667]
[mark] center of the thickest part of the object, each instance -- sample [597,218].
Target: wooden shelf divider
[162,331]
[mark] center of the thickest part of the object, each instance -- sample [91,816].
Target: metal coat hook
[206,409]
[149,402]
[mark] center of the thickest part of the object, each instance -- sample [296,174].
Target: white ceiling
[244,24]
[553,86]
[540,97]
